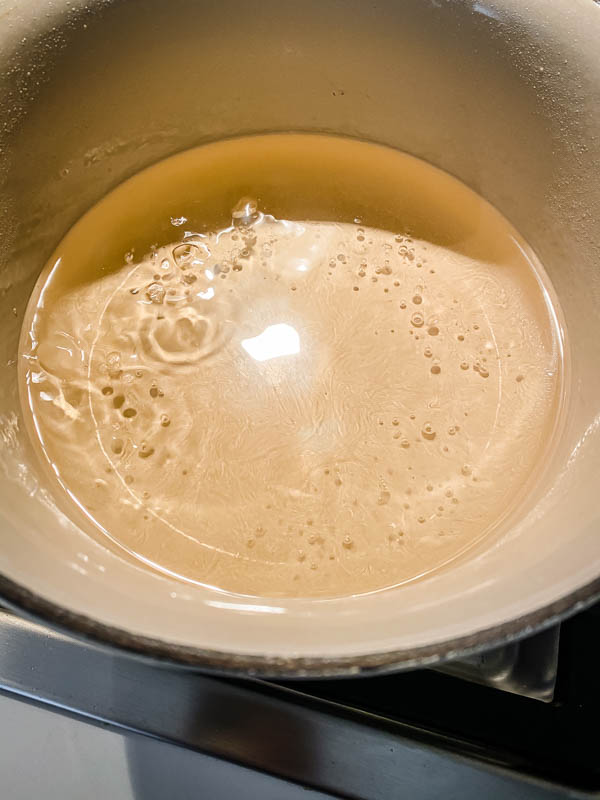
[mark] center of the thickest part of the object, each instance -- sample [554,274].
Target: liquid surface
[291,365]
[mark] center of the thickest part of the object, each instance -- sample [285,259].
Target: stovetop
[516,722]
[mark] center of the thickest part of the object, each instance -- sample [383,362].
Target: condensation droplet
[417,320]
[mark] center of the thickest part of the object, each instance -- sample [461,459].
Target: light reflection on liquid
[275,341]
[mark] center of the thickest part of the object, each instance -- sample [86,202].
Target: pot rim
[228,663]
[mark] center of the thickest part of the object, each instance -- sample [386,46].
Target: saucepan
[504,95]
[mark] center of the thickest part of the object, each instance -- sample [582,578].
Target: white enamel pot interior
[502,94]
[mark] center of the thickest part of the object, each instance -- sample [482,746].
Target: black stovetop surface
[419,735]
[558,741]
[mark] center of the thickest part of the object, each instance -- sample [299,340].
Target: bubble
[250,542]
[417,299]
[129,413]
[433,330]
[355,288]
[153,391]
[466,469]
[403,305]
[428,352]
[113,364]
[347,542]
[184,253]
[519,378]
[384,498]
[134,291]
[338,481]
[118,400]
[452,430]
[155,292]
[428,432]
[106,390]
[421,519]
[435,369]
[417,320]
[429,487]
[301,555]
[405,443]
[460,337]
[129,479]
[164,420]
[464,365]
[145,450]
[480,369]
[395,421]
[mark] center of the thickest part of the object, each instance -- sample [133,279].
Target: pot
[503,95]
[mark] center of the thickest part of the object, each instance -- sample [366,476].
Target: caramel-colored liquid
[292,365]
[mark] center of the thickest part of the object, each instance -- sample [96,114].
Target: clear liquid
[291,365]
